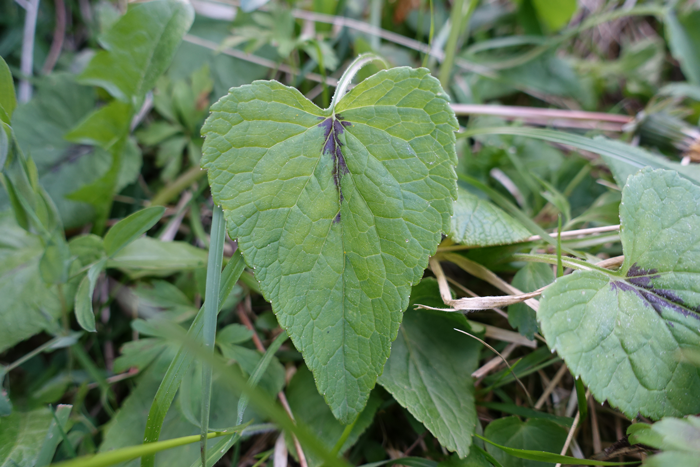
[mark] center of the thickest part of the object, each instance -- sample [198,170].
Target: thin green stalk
[459,20]
[572,263]
[180,184]
[343,438]
[451,47]
[426,57]
[117,456]
[211,309]
[375,19]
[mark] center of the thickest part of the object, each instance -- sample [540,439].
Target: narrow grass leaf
[211,309]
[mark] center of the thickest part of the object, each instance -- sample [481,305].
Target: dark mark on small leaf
[654,297]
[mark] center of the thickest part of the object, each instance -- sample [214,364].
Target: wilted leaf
[346,204]
[626,333]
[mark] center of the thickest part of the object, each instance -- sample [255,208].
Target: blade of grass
[543,456]
[117,456]
[182,361]
[211,309]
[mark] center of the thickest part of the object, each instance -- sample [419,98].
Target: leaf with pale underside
[630,335]
[344,204]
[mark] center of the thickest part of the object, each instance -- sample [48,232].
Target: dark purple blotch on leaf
[639,282]
[333,128]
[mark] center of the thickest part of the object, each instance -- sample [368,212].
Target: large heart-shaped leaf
[337,211]
[632,335]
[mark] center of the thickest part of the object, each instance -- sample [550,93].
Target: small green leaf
[346,203]
[628,334]
[555,14]
[234,334]
[8,101]
[21,437]
[530,278]
[138,48]
[477,222]
[429,370]
[83,297]
[150,257]
[127,230]
[533,435]
[308,407]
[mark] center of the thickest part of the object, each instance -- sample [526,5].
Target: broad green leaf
[477,222]
[684,40]
[429,370]
[628,334]
[138,48]
[8,101]
[346,204]
[533,435]
[308,407]
[678,437]
[530,278]
[21,437]
[28,305]
[83,297]
[148,256]
[127,230]
[669,434]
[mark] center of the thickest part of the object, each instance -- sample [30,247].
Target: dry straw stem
[573,429]
[478,303]
[494,362]
[550,387]
[529,399]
